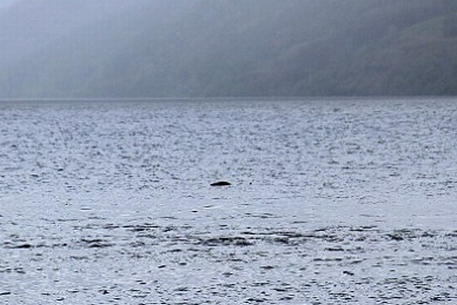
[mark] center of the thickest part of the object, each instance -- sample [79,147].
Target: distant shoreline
[241,98]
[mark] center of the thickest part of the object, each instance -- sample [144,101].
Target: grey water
[332,201]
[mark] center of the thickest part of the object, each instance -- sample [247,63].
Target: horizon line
[69,99]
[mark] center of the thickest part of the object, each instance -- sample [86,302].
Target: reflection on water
[331,202]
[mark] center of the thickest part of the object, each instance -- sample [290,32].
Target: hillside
[153,48]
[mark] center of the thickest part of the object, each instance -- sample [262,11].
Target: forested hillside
[177,48]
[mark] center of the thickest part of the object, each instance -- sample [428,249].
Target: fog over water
[329,201]
[332,201]
[207,48]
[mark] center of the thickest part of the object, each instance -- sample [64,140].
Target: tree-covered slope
[158,48]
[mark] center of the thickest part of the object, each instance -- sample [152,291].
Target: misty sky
[157,48]
[6,2]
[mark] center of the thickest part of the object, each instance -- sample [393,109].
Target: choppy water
[331,202]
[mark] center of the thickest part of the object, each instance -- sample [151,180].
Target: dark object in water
[221,183]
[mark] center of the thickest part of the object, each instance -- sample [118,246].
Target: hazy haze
[153,48]
[4,3]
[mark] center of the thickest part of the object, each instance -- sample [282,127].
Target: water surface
[344,201]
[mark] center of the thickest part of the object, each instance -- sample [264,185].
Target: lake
[332,201]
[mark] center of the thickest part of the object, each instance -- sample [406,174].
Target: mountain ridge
[232,48]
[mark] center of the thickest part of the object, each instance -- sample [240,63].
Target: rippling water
[347,201]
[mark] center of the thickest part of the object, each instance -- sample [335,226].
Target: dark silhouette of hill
[153,48]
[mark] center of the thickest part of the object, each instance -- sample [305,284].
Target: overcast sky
[6,2]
